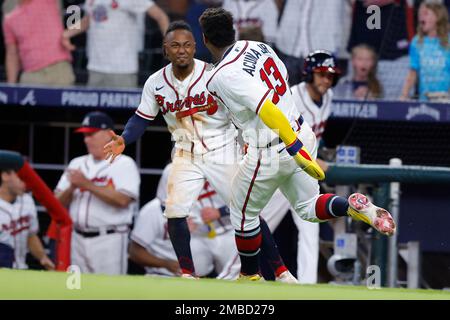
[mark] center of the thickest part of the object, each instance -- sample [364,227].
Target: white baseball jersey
[309,25]
[254,13]
[18,221]
[25,215]
[192,115]
[248,74]
[315,115]
[6,223]
[89,212]
[108,50]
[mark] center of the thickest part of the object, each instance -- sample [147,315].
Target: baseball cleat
[287,277]
[360,208]
[253,277]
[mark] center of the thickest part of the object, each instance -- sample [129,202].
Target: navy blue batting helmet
[320,61]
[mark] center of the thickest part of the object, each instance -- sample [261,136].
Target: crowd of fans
[399,52]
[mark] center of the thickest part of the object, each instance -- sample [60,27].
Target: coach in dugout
[102,199]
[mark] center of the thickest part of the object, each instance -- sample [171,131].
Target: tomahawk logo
[29,99]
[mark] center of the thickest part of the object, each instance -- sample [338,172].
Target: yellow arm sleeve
[276,120]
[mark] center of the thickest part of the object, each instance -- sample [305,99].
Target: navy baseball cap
[10,160]
[95,121]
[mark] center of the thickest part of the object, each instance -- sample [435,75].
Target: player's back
[249,73]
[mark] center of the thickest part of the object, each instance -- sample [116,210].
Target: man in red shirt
[33,32]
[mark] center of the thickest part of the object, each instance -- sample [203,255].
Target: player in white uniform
[18,224]
[102,199]
[312,98]
[26,237]
[212,246]
[250,80]
[206,147]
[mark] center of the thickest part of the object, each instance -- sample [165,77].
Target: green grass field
[15,284]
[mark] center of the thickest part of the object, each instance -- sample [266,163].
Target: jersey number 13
[271,69]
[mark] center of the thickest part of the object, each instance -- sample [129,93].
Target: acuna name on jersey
[251,58]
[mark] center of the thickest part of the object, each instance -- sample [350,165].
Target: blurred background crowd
[399,51]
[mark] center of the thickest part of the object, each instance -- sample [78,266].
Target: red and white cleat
[362,209]
[287,277]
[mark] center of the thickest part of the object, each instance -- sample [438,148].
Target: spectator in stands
[361,82]
[102,199]
[390,40]
[112,39]
[251,14]
[32,34]
[308,25]
[430,54]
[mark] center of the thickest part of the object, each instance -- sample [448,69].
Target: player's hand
[308,164]
[209,214]
[78,179]
[173,267]
[47,263]
[192,225]
[65,41]
[113,148]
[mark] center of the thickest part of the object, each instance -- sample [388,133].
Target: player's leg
[79,253]
[232,268]
[303,193]
[307,250]
[185,182]
[224,250]
[274,212]
[108,253]
[202,255]
[252,187]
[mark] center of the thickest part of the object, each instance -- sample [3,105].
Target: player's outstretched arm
[134,129]
[275,120]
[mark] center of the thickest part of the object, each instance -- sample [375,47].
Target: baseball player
[205,139]
[212,245]
[102,200]
[251,81]
[18,224]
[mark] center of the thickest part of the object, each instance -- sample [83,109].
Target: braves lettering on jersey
[262,75]
[26,225]
[316,116]
[191,113]
[89,212]
[7,223]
